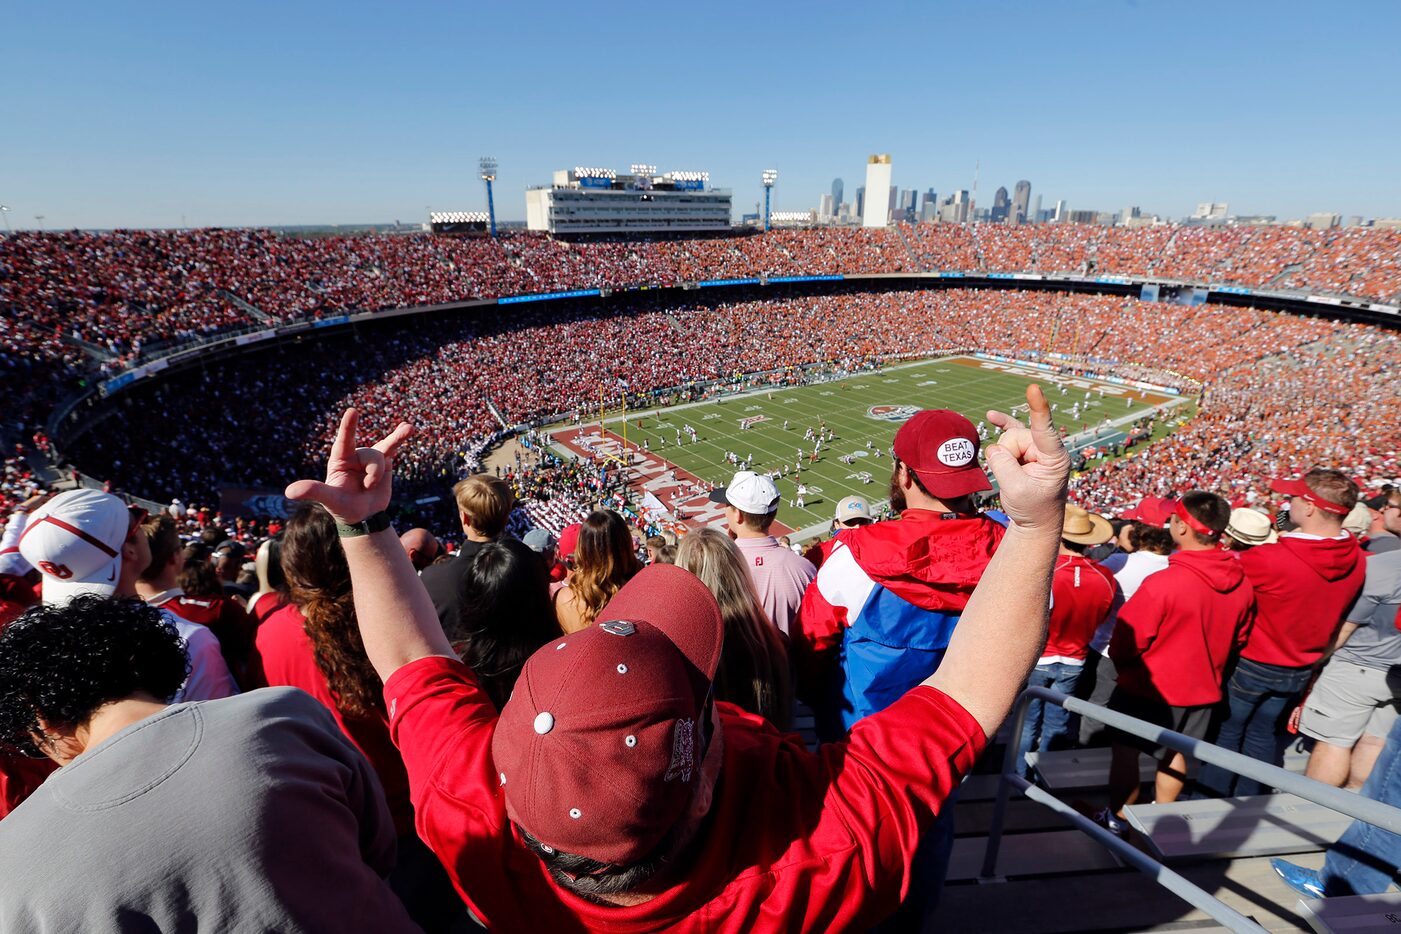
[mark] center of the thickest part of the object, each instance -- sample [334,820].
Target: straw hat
[1251,527]
[1085,528]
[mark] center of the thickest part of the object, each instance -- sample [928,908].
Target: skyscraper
[861,201]
[825,207]
[878,192]
[1021,202]
[1000,206]
[836,193]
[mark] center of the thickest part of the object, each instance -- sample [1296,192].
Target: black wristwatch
[376,523]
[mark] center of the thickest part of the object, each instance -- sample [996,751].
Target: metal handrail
[1347,803]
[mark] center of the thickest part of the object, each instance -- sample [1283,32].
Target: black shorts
[1189,721]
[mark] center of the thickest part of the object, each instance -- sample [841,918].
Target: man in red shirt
[596,800]
[1171,645]
[1304,584]
[1082,594]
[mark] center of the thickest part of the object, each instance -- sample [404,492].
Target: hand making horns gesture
[357,479]
[1031,465]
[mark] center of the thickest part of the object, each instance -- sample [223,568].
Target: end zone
[684,496]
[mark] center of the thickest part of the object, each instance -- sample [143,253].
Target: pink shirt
[780,577]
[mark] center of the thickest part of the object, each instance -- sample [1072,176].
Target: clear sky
[149,114]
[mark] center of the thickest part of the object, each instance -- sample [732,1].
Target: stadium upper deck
[78,300]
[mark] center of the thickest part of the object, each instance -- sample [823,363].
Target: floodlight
[770,176]
[488,168]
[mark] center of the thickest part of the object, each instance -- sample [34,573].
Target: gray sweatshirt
[250,813]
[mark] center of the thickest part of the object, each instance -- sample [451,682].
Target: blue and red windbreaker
[878,617]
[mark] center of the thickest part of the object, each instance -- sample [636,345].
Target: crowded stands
[120,295]
[529,718]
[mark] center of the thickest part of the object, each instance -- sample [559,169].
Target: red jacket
[1177,632]
[1082,593]
[1303,586]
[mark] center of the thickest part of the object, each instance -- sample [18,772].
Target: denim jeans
[1261,698]
[1365,858]
[1049,726]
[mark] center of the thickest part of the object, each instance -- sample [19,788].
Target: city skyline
[181,116]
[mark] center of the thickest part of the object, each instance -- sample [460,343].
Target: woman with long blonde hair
[753,672]
[602,563]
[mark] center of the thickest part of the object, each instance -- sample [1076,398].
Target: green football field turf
[851,408]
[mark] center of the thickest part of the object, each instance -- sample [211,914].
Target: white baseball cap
[853,508]
[749,492]
[75,540]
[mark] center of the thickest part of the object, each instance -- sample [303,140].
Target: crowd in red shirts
[251,423]
[118,294]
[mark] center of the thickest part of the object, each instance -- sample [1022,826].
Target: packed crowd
[547,732]
[251,423]
[120,294]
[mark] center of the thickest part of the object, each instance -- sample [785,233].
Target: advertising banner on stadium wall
[247,502]
[705,283]
[544,296]
[255,336]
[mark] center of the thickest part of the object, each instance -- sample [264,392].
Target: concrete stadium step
[1072,769]
[1354,914]
[1263,825]
[1031,854]
[1120,901]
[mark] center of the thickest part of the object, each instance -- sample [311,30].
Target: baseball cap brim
[677,603]
[954,483]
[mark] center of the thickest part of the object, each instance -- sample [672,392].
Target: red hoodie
[1082,593]
[1176,633]
[1303,586]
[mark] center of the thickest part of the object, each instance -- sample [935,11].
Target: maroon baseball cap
[1300,488]
[599,749]
[1152,510]
[941,447]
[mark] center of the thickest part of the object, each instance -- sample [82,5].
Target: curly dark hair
[318,581]
[63,663]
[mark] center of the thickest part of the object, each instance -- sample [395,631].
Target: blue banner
[112,385]
[1002,275]
[950,275]
[329,322]
[576,293]
[708,282]
[829,278]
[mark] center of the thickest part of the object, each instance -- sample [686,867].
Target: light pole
[770,176]
[40,219]
[5,211]
[488,170]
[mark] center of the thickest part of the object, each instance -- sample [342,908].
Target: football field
[765,429]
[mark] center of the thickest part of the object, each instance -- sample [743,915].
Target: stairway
[248,307]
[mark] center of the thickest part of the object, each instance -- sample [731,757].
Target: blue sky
[147,114]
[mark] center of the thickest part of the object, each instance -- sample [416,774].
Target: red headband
[1194,523]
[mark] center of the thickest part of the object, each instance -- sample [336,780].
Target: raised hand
[1031,465]
[357,479]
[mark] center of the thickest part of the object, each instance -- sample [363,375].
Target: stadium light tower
[488,168]
[5,211]
[770,176]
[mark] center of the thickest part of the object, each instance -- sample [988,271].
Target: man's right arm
[1002,630]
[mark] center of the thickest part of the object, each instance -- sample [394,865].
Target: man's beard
[897,495]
